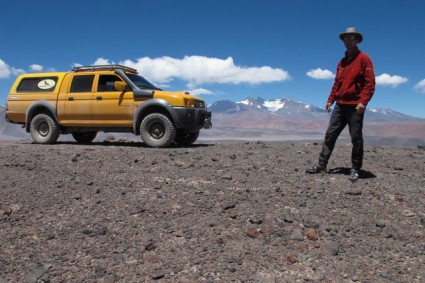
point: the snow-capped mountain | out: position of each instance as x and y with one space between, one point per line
388 115
289 108
280 106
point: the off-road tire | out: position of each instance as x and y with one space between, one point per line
86 137
186 139
44 129
157 130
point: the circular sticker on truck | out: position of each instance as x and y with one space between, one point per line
46 84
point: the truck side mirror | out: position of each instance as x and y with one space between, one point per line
121 86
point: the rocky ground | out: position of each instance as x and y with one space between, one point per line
242 212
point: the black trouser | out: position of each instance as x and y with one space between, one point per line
341 116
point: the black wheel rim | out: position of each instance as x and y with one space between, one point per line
43 129
157 131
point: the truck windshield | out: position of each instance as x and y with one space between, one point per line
141 82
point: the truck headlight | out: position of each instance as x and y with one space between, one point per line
200 104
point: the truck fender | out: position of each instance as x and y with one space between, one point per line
34 107
152 103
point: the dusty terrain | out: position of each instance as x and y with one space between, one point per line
242 212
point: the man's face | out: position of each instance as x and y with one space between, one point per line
350 41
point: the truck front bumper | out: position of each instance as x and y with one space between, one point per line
192 118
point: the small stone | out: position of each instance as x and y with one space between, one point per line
229 205
6 211
287 216
158 274
252 233
257 221
227 177
179 233
215 158
408 213
330 247
132 262
74 269
75 157
380 223
96 231
150 246
292 259
265 231
233 156
312 235
37 272
153 258
297 235
136 210
354 191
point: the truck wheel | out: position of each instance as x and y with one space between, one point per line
44 129
185 139
157 130
86 137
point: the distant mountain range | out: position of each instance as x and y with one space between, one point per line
284 120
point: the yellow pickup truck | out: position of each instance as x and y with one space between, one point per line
108 98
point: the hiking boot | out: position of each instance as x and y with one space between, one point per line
315 169
354 175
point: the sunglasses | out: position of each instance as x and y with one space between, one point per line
349 38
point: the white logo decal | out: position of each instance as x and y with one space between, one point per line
46 84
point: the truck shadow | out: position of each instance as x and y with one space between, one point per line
131 144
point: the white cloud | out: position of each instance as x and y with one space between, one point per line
320 74
102 61
201 91
421 86
388 80
199 70
36 68
6 70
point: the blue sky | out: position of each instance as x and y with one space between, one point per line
223 49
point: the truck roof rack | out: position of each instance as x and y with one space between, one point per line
102 67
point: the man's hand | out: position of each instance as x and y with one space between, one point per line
328 107
360 108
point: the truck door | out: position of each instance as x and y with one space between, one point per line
112 108
77 102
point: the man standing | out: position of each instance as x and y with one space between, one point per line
353 88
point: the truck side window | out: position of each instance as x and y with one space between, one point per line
42 84
106 83
82 83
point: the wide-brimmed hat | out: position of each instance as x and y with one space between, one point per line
351 31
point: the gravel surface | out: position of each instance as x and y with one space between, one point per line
243 212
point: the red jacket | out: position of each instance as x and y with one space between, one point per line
354 80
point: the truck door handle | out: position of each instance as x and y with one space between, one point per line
98 97
71 98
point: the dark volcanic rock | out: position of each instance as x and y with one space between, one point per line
245 212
